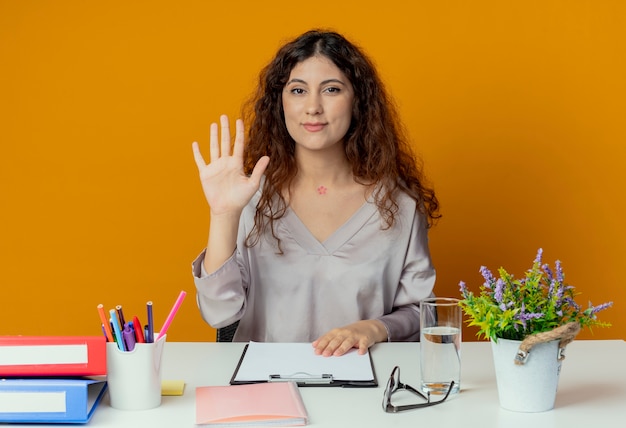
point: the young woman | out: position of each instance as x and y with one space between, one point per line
318 227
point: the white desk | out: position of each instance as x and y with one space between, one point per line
592 390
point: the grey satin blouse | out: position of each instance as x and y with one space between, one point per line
362 271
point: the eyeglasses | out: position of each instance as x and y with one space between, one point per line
394 385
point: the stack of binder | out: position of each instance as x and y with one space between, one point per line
51 379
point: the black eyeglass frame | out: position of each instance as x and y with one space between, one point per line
392 388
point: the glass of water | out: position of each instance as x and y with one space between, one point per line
440 344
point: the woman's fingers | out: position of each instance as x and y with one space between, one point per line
214 146
225 135
259 169
219 139
337 346
197 156
335 342
239 139
361 334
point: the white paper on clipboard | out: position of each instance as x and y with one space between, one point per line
293 360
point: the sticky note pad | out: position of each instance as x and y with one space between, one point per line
172 387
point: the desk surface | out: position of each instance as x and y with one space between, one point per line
592 389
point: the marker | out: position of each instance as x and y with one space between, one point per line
129 337
150 335
172 314
138 333
105 324
118 330
120 314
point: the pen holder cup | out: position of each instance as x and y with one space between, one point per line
134 377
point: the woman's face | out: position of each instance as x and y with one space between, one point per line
317 101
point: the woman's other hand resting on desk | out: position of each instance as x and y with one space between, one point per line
361 335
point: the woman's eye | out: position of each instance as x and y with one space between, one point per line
333 90
297 91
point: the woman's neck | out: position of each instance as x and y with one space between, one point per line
323 169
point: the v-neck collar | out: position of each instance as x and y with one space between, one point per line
303 236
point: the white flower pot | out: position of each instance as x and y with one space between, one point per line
532 386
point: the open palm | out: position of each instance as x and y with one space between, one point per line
226 187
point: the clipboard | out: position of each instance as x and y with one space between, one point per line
297 362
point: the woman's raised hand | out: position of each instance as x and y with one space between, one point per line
226 187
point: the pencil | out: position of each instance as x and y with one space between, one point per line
105 323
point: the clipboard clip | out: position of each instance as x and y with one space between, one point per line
302 377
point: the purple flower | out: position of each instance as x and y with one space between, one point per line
571 302
556 290
489 279
531 315
559 293
596 309
539 254
527 316
498 290
463 288
524 316
559 271
548 271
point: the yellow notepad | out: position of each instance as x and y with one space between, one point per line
172 387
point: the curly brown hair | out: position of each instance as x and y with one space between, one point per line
375 145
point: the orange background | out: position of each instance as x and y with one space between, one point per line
517 108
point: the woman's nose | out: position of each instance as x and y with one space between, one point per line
314 104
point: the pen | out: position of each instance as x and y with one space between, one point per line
112 330
129 337
172 313
150 335
118 308
138 333
105 324
118 330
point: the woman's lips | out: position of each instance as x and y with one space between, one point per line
313 127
